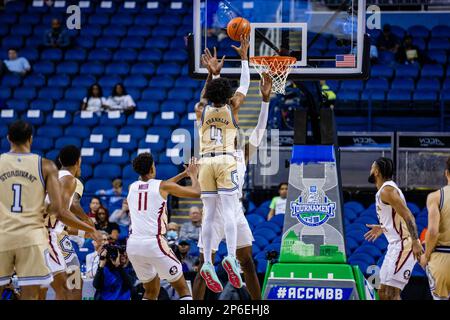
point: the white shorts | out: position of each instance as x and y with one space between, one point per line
398 264
244 233
67 250
153 257
57 263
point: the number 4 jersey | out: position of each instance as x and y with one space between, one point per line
147 209
22 194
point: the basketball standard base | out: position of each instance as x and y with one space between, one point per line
312 263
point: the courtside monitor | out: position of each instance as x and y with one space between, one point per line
326 37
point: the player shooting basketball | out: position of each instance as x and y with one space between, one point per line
243 154
218 126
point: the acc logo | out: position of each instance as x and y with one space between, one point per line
313 208
173 270
407 274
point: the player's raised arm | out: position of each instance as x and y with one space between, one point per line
244 83
265 87
390 196
172 188
52 184
214 67
432 234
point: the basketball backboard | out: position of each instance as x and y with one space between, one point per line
327 37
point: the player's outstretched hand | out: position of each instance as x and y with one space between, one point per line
374 232
265 86
192 169
417 249
211 62
243 49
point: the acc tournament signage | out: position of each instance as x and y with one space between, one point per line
313 230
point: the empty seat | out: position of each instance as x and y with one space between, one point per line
119 68
138 81
432 70
403 83
440 31
52 54
439 44
34 80
96 141
42 143
418 31
166 171
42 104
377 84
407 71
21 93
107 171
50 131
352 85
67 67
116 156
437 56
140 118
93 185
424 95
140 30
86 118
143 68
126 54
85 41
108 132
115 30
399 95
64 141
11 80
94 68
80 132
75 93
44 67
100 54
112 118
133 42
154 94
51 93
428 84
59 80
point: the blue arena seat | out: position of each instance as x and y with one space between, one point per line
139 30
122 19
438 44
91 156
424 95
153 94
96 141
95 68
399 95
51 93
418 31
144 68
255 219
108 132
64 141
34 80
27 93
261 242
168 69
85 119
126 142
93 185
42 104
52 54
403 83
74 93
85 41
381 71
120 68
42 143
146 19
67 67
100 54
50 131
44 67
437 56
125 54
407 70
432 70
77 132
133 42
129 173
431 84
440 31
116 156
107 171
58 118
377 84
133 131
59 80
11 80
112 118
166 171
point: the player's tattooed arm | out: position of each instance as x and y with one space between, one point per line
53 187
432 234
391 196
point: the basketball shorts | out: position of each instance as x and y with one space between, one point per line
398 264
57 263
68 252
218 175
244 233
438 272
31 265
153 257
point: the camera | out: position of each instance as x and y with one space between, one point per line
113 250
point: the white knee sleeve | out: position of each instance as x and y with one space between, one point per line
229 203
210 210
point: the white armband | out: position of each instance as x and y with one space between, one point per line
214 77
81 233
244 83
258 133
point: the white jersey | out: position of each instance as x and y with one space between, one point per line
241 169
393 225
147 209
57 225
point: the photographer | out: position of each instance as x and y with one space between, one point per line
115 277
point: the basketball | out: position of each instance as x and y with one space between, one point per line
237 27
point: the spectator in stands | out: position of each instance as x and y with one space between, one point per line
116 195
115 278
94 205
56 37
120 100
16 64
187 261
278 204
103 224
173 229
121 216
94 100
387 40
93 258
408 53
191 230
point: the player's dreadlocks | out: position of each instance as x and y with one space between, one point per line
143 163
219 91
386 167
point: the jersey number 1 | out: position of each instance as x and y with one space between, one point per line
17 198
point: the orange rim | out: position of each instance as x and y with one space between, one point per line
276 64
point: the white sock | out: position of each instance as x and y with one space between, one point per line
229 203
186 298
210 210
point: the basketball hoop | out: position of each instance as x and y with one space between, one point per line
278 69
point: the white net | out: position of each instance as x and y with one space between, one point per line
278 69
